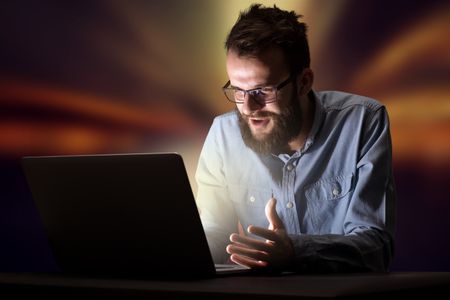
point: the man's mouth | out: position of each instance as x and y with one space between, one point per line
259 122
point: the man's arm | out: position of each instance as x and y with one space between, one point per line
217 213
368 243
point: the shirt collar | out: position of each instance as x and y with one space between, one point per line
319 114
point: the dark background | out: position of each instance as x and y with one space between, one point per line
81 77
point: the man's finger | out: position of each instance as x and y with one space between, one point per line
267 234
251 253
248 262
250 242
272 215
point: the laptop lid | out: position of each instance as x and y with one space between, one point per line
120 214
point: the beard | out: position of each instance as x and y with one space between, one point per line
286 126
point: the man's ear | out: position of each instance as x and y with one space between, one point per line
305 80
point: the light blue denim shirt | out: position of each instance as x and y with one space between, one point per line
335 196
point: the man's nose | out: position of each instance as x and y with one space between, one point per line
250 104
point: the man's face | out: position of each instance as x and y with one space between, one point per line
266 128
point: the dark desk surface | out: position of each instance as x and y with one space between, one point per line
369 285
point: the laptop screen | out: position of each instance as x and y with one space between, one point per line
120 214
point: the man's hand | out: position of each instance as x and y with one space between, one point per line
276 251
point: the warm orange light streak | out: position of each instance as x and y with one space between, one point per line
420 123
421 46
147 117
22 138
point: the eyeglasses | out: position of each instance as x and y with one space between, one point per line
261 95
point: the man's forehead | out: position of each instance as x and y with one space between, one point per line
245 71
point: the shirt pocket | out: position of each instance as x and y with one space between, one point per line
327 201
249 203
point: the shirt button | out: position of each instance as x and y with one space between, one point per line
289 167
252 199
289 205
336 192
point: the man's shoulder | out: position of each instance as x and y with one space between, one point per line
230 115
337 100
225 125
226 119
225 132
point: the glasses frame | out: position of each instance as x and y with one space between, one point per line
251 92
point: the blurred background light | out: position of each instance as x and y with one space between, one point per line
80 77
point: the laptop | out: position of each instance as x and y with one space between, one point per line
121 215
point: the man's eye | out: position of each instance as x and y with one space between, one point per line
266 90
258 92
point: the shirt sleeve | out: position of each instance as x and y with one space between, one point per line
216 211
368 242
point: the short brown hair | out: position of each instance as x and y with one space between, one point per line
260 28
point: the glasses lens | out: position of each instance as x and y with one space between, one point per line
263 95
229 93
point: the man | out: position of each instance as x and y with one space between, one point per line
294 179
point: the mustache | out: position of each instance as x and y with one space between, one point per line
260 114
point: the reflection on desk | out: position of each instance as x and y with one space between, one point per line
369 285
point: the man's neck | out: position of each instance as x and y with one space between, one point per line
308 109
